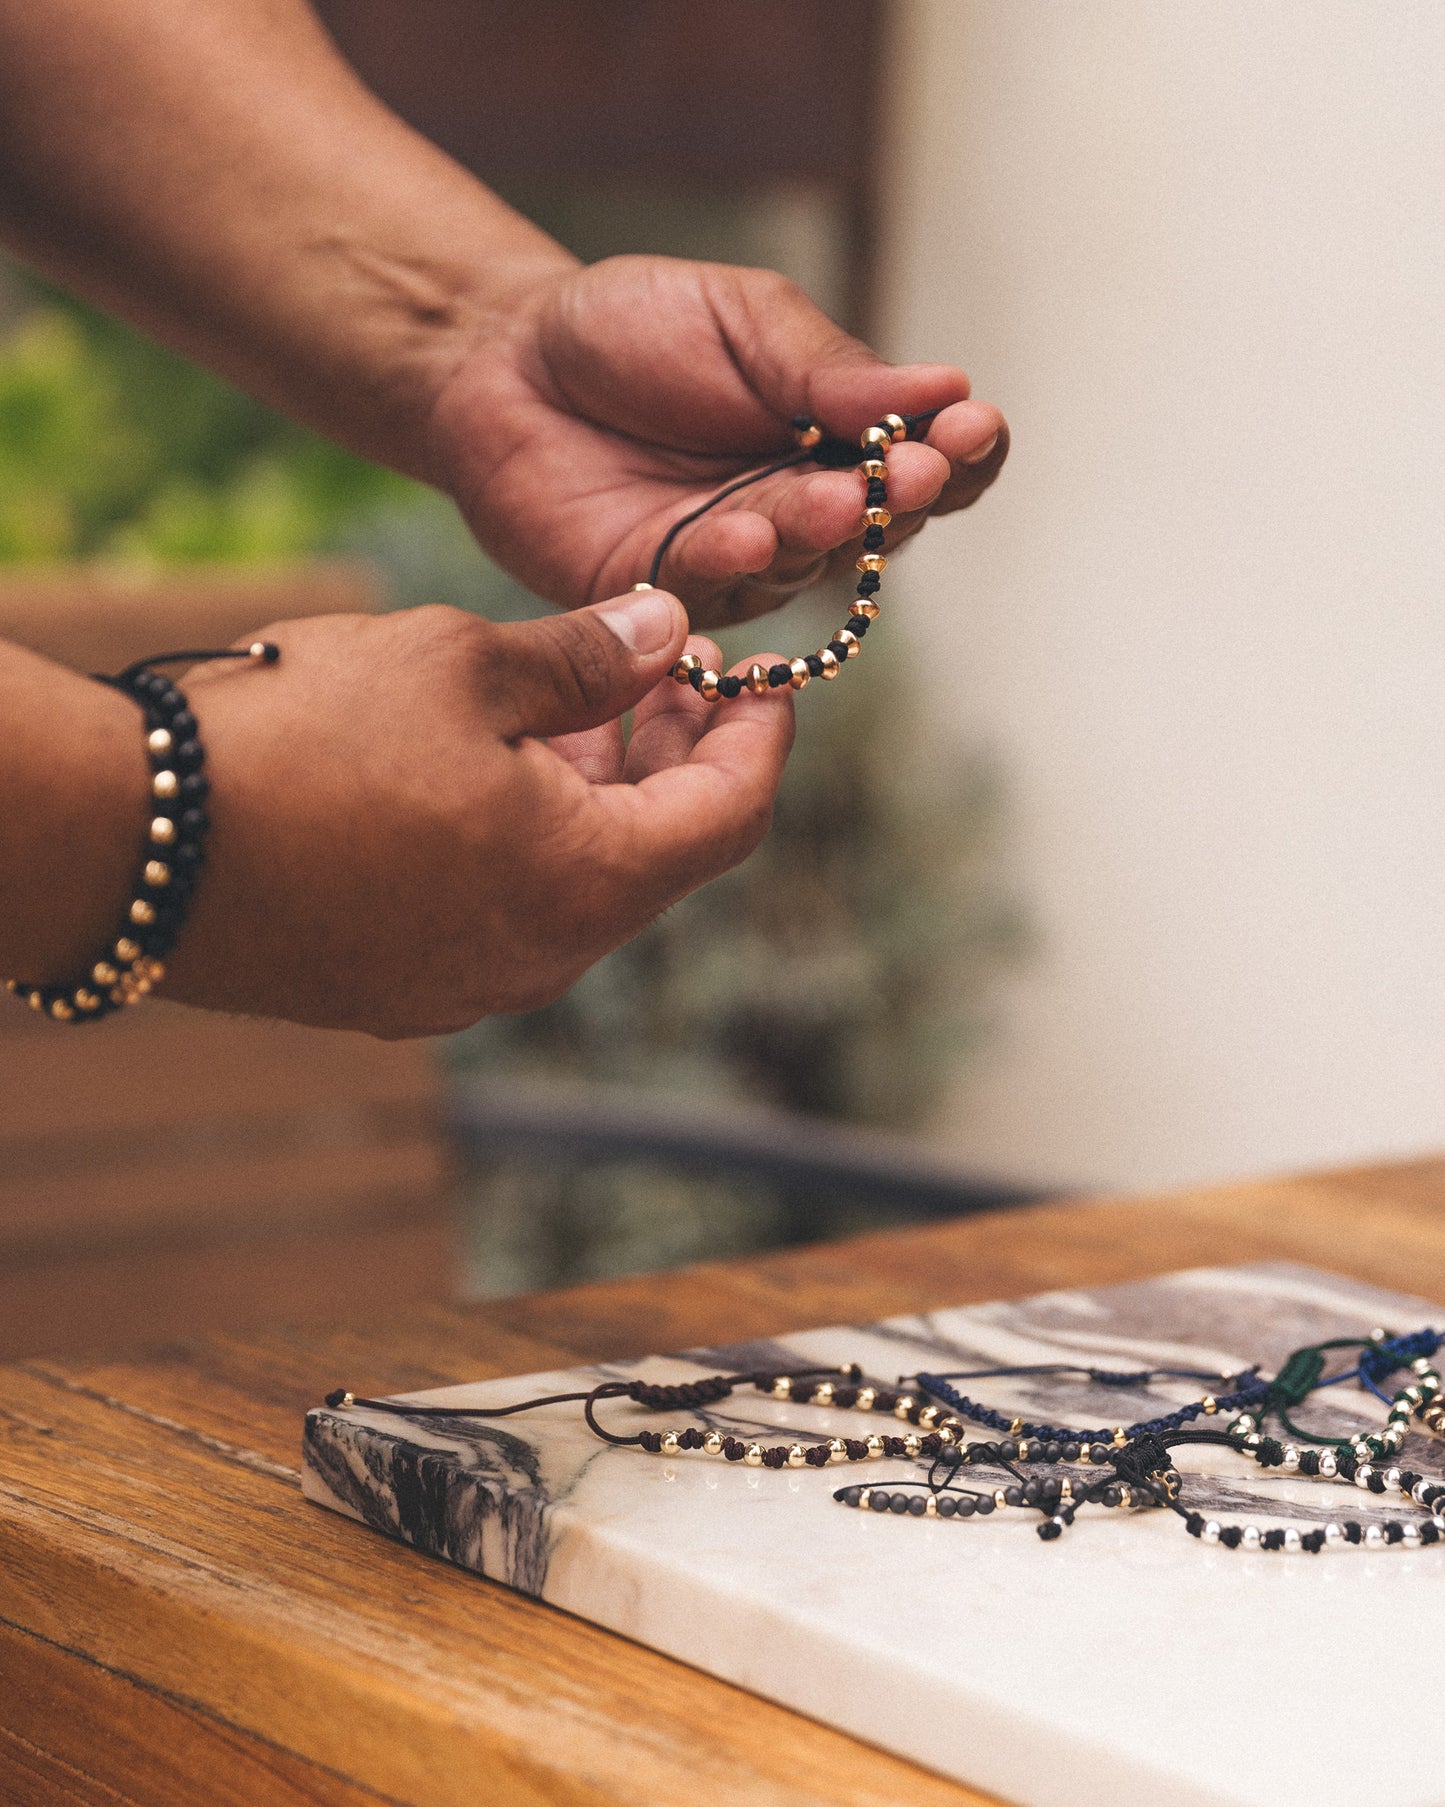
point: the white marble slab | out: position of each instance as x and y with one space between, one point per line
1125 1664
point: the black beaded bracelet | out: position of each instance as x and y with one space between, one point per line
870 455
134 963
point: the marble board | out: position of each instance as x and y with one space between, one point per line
1124 1664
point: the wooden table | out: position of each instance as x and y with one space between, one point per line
178 1626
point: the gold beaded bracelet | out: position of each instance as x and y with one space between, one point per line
132 966
813 445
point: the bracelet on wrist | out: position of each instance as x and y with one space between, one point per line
133 964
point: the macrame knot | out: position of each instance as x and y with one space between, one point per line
688 1395
1108 1377
1297 1379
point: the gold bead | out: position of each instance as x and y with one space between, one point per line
347 1399
257 649
689 662
61 1011
142 912
867 609
757 680
1025 1445
896 425
903 1405
864 1401
797 1456
1211 1405
641 586
876 517
120 995
801 674
810 435
157 874
670 1445
708 690
930 1506
846 637
829 661
863 1498
36 1001
873 468
875 439
753 1455
872 561
152 970
1119 1438
946 1433
712 1443
86 1000
911 1445
163 831
127 950
875 1446
166 785
782 1387
837 1450
823 1393
1015 1425
159 740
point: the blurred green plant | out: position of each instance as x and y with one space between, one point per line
114 449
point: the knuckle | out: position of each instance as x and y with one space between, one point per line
581 670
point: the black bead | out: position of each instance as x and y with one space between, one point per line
1099 1452
1112 1496
189 756
1051 1452
1352 1531
1049 1530
1429 1533
730 686
169 701
849 1495
196 788
814 664
1071 1452
778 675
1009 1450
983 1506
1013 1496
879 1501
917 1505
183 725
898 1502
1194 1524
1032 1493
1376 1483
966 1505
838 650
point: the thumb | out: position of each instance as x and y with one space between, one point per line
575 671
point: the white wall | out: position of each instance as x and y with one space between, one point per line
1197 253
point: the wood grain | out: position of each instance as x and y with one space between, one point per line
164 1579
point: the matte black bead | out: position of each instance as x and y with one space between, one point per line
196 788
1009 1450
1070 1452
849 1495
1394 1532
983 1506
189 856
169 701
1376 1483
898 1502
917 1505
947 1505
879 1501
1313 1541
1112 1496
1429 1533
966 1505
1099 1452
1051 1452
191 824
1032 1493
188 756
183 725
1013 1496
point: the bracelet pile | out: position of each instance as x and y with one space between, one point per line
132 965
1137 1463
874 445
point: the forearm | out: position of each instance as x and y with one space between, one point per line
73 795
216 173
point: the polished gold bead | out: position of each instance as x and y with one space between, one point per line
873 468
903 1405
911 1445
837 1450
36 1000
689 662
157 874
1211 1405
163 831
159 741
153 970
872 561
86 1000
875 439
877 517
930 1506
166 785
127 950
1024 1447
782 1387
946 1433
753 1455
1119 1438
641 586
797 1455
846 637
708 688
120 994
810 435
801 674
61 1011
1015 1425
142 912
864 1401
875 1446
864 607
823 1393
670 1445
712 1443
829 661
757 680
896 425
865 1494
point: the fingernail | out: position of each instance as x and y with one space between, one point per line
644 621
977 456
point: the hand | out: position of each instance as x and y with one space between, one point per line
611 400
394 848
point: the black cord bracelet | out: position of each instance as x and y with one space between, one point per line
869 453
134 963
